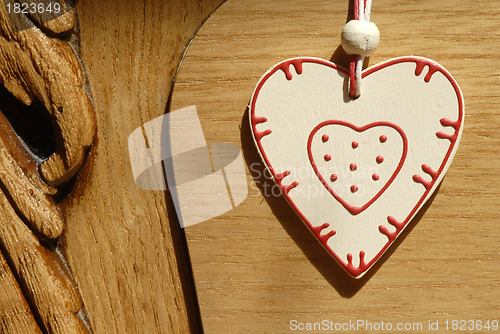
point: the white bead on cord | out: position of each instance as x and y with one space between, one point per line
360 37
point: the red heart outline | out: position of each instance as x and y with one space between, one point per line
354 210
421 63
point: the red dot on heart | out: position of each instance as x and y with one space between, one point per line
375 177
354 188
380 159
355 144
328 157
325 138
383 139
353 167
333 177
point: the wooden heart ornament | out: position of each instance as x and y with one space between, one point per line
357 171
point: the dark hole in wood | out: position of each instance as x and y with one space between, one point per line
32 124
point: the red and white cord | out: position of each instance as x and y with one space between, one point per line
362 12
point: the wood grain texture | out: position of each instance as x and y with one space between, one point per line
258 267
119 238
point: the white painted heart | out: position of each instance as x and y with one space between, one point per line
357 171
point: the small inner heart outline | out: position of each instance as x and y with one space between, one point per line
354 210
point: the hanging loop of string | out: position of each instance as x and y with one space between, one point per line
360 38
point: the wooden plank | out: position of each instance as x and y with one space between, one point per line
257 267
125 255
